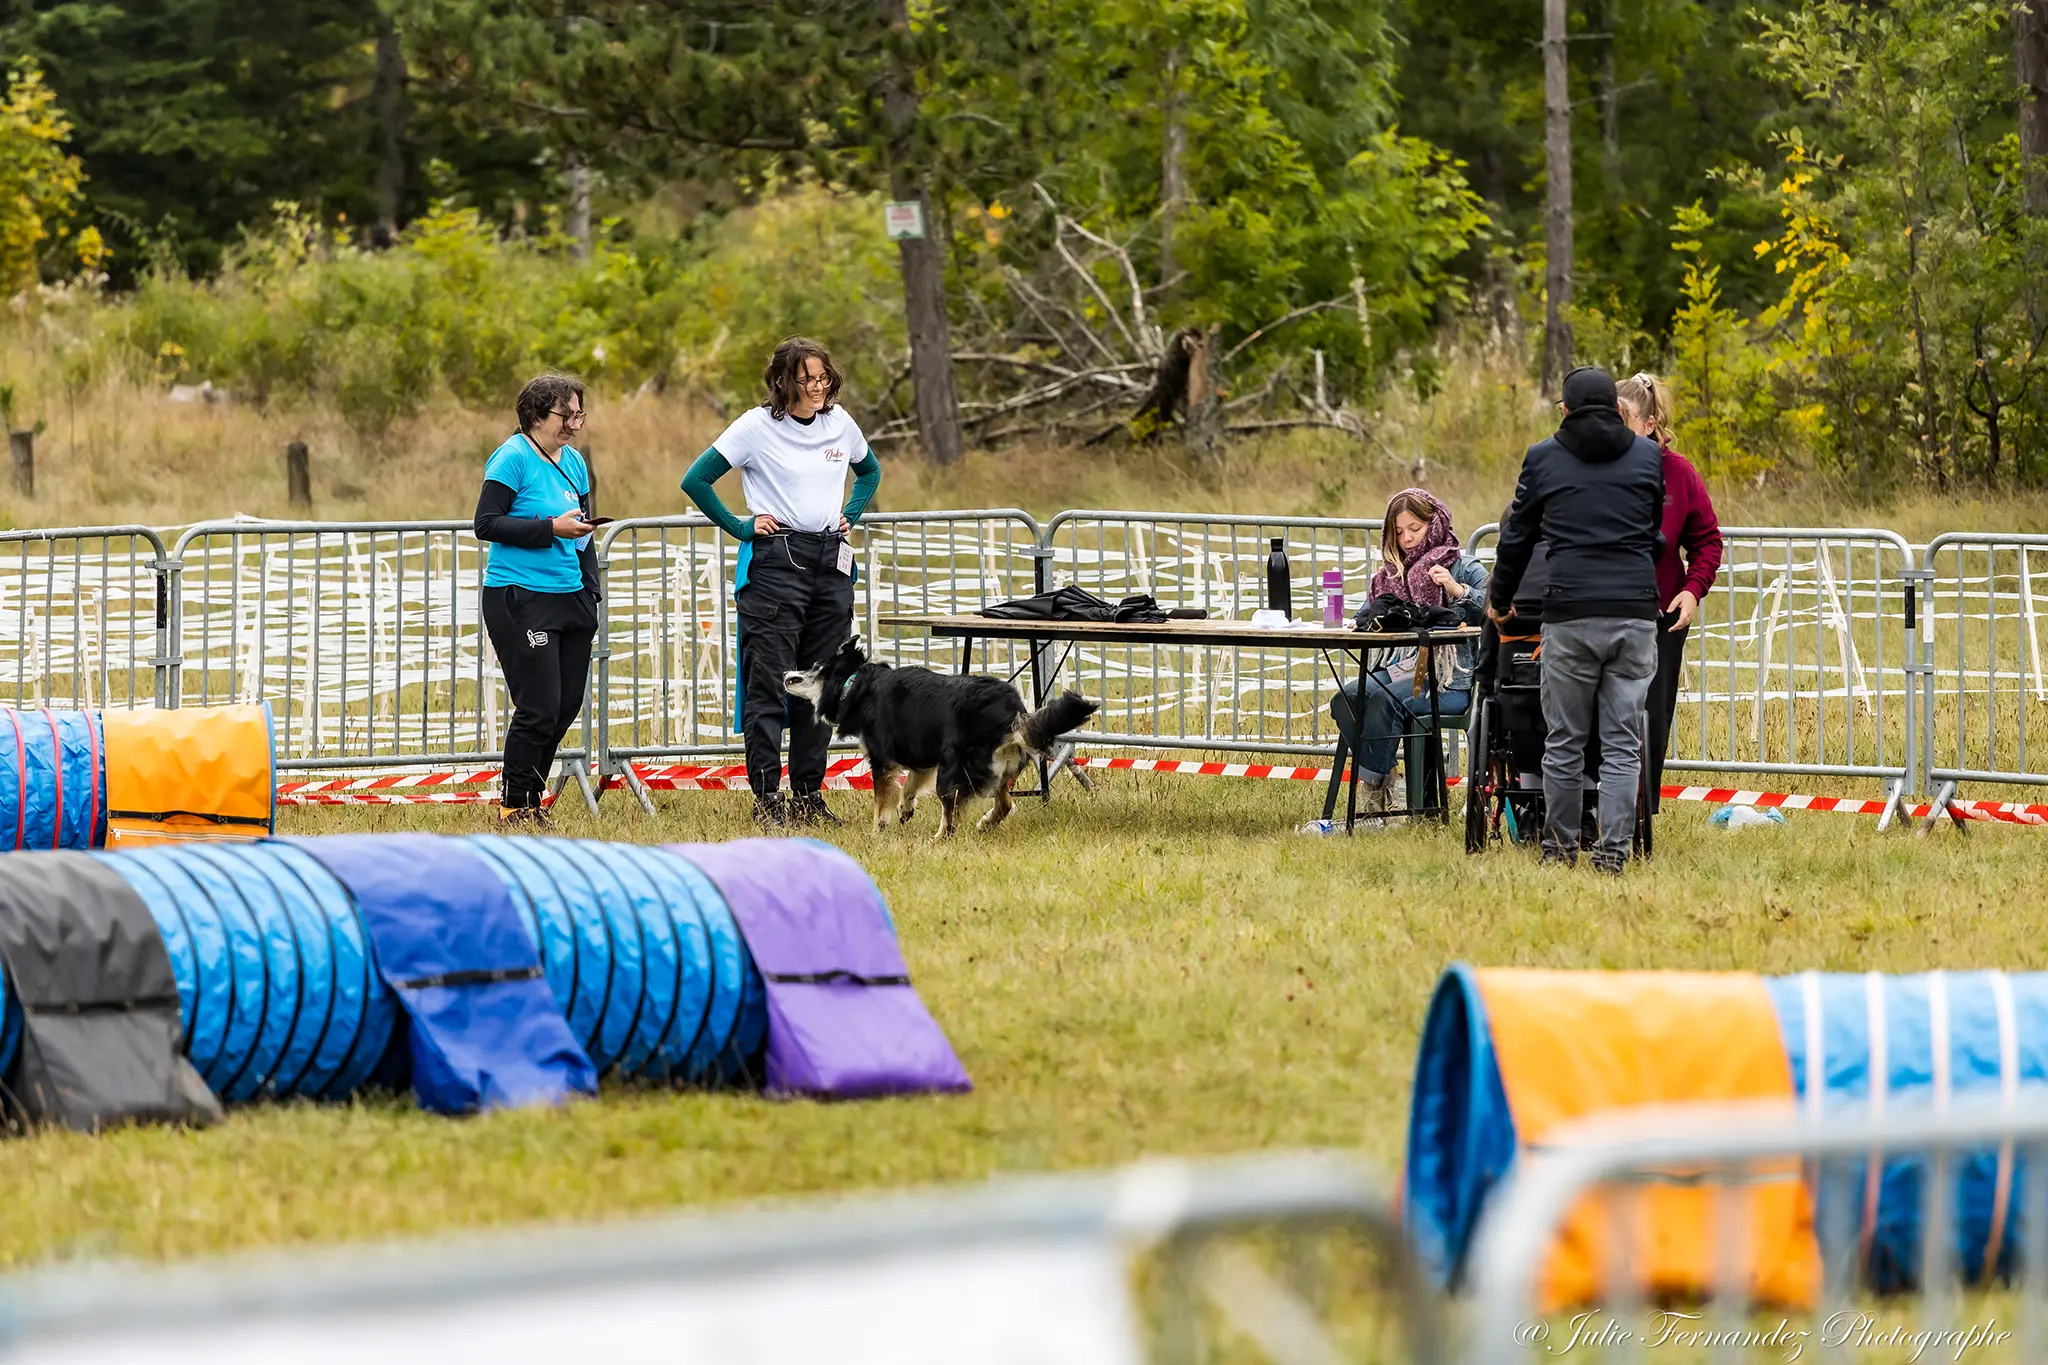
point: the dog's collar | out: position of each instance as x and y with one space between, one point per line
847 686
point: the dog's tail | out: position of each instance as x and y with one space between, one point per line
1063 713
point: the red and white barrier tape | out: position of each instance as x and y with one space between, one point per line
851 774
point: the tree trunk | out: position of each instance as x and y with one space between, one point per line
1173 186
578 176
1610 114
1557 209
389 95
922 260
1205 404
2030 53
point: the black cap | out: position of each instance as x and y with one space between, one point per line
1588 386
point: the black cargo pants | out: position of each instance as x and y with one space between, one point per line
795 611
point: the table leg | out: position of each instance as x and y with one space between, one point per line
1358 722
966 655
1439 789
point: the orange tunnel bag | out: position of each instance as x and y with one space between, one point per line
1575 1044
200 773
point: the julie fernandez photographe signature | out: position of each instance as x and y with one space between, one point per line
1669 1327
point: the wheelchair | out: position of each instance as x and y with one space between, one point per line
1505 740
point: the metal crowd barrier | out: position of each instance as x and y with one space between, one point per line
1822 652
665 669
1982 682
85 618
1179 697
1283 1258
1799 661
1727 1151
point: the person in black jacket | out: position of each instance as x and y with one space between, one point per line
1594 493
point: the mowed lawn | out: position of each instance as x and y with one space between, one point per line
1159 968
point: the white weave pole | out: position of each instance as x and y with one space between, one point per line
1852 658
1776 593
2033 627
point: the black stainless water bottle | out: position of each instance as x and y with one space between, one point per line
1279 587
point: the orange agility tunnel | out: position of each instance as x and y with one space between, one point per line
123 779
1510 1056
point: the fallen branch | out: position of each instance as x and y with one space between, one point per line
1282 321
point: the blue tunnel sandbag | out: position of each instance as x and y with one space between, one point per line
278 990
53 780
1996 1028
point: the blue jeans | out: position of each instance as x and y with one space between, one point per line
1390 715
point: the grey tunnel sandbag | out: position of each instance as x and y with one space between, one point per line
280 990
842 1020
1929 1041
641 953
100 1039
53 780
483 1026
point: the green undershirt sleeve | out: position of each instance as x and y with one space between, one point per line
867 477
708 470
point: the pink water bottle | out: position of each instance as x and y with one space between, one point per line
1333 597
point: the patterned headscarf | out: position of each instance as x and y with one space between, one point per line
1439 546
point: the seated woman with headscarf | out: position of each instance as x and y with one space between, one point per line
1424 565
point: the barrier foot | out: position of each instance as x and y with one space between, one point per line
638 788
589 793
1943 804
1894 800
1063 761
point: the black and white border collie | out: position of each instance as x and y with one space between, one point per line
961 736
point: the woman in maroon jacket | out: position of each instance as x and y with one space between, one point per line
1687 564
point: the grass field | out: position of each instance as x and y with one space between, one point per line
1161 968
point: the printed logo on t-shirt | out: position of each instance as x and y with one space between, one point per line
536 639
833 454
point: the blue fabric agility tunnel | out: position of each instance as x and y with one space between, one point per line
53 780
281 994
1934 1039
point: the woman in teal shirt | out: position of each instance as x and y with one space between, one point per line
540 590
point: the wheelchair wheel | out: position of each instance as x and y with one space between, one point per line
1481 779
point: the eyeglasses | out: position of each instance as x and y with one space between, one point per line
569 419
815 381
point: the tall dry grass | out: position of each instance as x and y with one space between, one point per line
121 450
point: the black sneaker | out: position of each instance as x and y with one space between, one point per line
1553 858
809 808
1612 867
771 811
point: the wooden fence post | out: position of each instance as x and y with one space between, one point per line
298 474
23 446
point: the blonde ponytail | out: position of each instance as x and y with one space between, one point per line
1651 400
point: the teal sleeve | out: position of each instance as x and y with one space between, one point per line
709 469
867 477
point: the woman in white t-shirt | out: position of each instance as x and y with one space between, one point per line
794 585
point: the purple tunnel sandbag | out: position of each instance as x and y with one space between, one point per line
843 1019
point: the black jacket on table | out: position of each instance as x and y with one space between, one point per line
1594 494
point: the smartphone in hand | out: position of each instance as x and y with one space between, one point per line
597 521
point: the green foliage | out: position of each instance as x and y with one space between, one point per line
39 182
1911 311
298 314
194 116
1298 188
1689 98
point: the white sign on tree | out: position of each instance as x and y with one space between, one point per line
904 219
